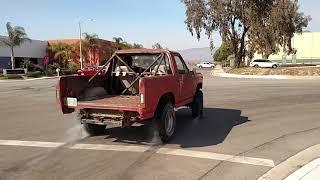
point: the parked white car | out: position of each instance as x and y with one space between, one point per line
205 65
263 63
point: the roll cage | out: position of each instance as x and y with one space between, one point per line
115 61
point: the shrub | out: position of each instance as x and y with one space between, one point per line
13 76
36 74
67 72
69 69
73 67
26 63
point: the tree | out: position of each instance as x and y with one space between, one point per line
136 45
157 46
91 43
212 48
276 30
117 41
223 52
27 64
16 36
241 21
62 53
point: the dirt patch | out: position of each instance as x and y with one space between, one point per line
298 71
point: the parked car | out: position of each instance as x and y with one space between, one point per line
205 65
138 86
88 70
264 63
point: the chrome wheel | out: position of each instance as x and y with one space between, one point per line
169 121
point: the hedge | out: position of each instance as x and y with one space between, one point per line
35 74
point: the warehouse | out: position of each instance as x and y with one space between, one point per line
307 46
35 51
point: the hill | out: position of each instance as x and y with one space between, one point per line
195 55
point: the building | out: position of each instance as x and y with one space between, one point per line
307 45
35 51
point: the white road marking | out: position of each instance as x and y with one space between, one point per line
165 151
216 156
306 172
103 147
30 143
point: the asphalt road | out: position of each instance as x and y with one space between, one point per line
266 119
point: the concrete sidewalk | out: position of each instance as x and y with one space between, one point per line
303 165
219 72
310 171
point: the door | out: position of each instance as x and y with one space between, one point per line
270 63
263 63
185 80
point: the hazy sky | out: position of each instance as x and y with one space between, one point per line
141 21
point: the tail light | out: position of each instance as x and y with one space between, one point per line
142 92
142 98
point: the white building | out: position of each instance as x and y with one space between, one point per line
307 45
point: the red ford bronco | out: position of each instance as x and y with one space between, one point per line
133 86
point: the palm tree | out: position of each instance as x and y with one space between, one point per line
92 43
16 36
118 41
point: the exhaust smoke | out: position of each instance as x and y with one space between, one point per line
76 132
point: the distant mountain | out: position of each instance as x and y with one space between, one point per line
195 55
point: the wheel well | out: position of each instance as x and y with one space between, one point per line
168 97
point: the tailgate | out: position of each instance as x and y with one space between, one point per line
69 88
63 91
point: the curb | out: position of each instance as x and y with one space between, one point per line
219 72
33 79
227 75
289 166
309 171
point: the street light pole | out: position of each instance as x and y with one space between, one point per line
80 43
80 38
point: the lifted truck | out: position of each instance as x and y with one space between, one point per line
136 86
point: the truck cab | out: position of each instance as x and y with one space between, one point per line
134 86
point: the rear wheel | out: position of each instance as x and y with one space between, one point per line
94 129
166 120
197 105
200 67
274 66
256 66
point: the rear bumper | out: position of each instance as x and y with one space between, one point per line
144 114
116 117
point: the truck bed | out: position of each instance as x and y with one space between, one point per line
112 102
